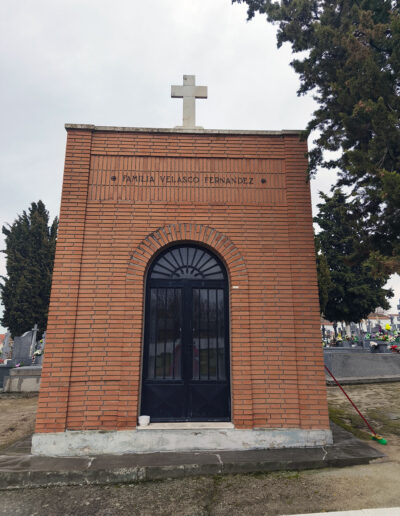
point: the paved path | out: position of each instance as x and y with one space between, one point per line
394 511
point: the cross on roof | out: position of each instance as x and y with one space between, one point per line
189 92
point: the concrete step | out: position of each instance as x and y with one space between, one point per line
19 470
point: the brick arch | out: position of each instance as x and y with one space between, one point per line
240 344
173 233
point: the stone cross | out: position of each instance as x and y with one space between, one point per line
189 92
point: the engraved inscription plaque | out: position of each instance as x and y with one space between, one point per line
187 180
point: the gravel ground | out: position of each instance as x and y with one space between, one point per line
358 487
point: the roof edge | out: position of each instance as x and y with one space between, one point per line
178 130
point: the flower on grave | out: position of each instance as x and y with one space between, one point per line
38 352
395 348
18 365
368 336
373 344
388 327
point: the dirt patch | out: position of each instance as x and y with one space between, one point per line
379 403
18 414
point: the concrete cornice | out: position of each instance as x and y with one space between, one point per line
176 130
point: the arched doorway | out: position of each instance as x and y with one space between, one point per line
186 340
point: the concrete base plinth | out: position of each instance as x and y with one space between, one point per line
81 443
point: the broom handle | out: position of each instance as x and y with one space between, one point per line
348 397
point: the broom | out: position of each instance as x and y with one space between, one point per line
375 436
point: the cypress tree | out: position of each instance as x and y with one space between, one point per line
353 291
348 56
30 249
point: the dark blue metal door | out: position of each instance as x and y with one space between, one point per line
186 348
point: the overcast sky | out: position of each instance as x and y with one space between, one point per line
113 63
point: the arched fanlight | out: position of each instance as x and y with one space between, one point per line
187 262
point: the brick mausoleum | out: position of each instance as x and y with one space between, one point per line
178 252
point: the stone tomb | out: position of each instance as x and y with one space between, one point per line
23 379
358 366
178 252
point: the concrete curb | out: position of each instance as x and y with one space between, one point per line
359 380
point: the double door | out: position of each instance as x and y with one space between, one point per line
186 351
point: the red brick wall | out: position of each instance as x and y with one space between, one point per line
112 224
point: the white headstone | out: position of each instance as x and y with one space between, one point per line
189 92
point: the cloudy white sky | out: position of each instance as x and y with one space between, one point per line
112 63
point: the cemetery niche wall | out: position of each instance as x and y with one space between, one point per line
178 250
